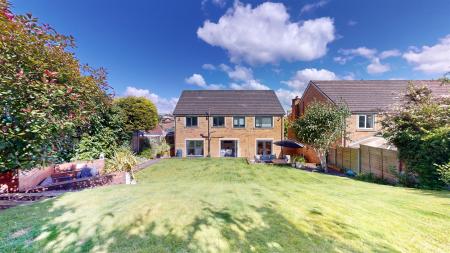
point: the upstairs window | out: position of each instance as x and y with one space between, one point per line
263 122
218 121
191 121
366 121
239 122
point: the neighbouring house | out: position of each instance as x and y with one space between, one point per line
366 99
228 123
156 134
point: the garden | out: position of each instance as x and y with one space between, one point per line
227 205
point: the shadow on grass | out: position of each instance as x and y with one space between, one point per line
262 229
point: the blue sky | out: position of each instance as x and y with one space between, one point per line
159 48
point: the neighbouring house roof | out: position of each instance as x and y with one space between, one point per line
373 141
373 95
158 131
228 102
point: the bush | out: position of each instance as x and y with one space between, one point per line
420 129
299 159
444 173
45 93
91 147
371 178
123 160
141 113
405 178
147 153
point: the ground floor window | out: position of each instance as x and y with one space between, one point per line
194 148
264 147
228 148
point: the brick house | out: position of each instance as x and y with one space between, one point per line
228 123
366 99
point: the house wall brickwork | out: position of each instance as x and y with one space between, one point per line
246 137
312 93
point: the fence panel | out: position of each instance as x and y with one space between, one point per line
366 159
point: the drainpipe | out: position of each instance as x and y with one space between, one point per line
282 135
209 133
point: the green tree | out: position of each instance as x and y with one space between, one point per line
420 129
321 126
141 113
46 97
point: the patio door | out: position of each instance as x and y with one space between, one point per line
228 148
194 148
264 147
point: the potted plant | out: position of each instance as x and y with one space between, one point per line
123 160
299 162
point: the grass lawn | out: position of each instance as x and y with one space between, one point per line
212 205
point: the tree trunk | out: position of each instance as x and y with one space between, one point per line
323 160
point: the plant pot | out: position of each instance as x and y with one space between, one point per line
129 179
299 165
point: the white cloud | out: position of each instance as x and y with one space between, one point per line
352 23
265 34
219 3
431 59
286 96
249 85
376 67
313 6
164 105
390 53
239 73
360 51
302 77
208 66
300 80
197 79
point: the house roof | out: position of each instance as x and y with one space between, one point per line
373 95
228 102
155 131
373 141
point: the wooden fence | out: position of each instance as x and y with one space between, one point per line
366 159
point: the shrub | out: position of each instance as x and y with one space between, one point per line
90 147
371 178
299 159
147 153
405 178
123 160
141 113
46 96
163 148
420 129
444 173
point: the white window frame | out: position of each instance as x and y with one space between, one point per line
245 123
230 139
185 121
254 123
217 116
264 139
186 147
365 121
